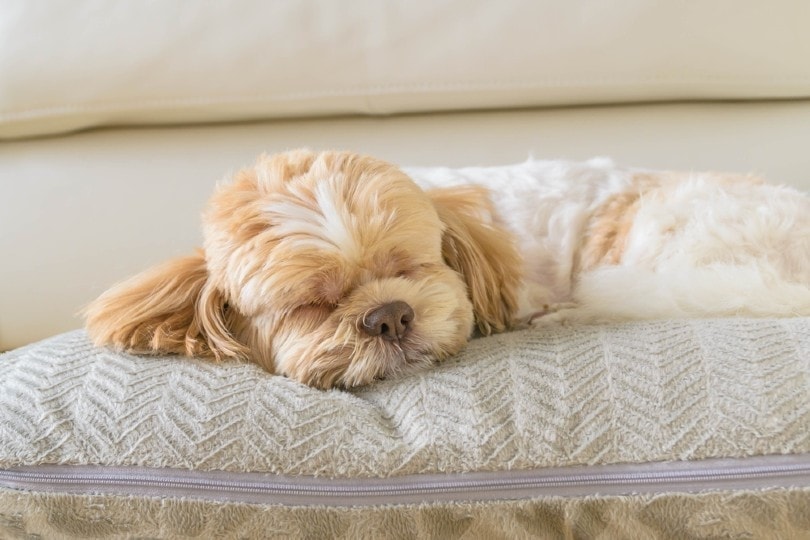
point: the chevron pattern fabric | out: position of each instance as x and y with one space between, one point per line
669 390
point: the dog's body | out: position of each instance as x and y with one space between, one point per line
601 243
337 269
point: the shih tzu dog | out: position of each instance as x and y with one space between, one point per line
337 269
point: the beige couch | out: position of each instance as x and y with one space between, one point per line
117 119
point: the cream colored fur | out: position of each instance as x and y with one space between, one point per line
302 247
676 245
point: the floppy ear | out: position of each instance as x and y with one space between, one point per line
482 252
171 309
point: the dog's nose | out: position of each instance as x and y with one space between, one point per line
389 321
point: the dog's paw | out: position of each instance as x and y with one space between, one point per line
559 313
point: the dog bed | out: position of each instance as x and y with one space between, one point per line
697 428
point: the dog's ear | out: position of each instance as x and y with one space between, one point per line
482 252
169 309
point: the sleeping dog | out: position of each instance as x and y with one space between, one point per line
337 269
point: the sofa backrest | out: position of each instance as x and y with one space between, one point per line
73 64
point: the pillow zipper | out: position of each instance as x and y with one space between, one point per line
761 472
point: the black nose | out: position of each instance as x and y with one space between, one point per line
389 321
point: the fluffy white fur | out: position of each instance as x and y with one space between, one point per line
337 269
699 245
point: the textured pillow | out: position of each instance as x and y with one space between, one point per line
538 398
82 63
596 430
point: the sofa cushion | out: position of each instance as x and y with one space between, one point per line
76 64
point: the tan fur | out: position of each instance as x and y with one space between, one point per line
298 249
605 238
482 252
168 309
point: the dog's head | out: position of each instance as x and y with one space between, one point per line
331 268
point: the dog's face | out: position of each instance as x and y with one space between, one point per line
333 269
336 263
